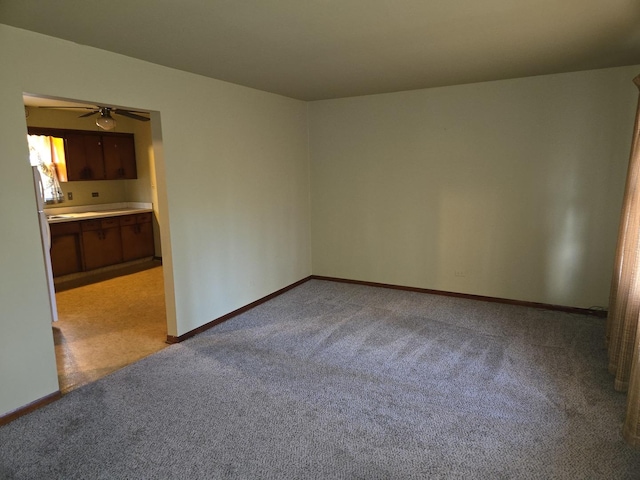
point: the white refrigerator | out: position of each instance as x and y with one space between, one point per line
45 234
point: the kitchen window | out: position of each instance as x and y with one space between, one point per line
47 154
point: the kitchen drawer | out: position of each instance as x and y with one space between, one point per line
65 228
89 225
136 218
143 217
127 220
110 222
100 223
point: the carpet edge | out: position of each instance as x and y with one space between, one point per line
171 339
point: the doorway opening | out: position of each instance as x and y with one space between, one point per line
111 316
109 323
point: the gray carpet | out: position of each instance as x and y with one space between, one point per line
344 381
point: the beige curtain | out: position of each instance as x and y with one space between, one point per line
624 301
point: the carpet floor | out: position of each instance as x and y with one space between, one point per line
338 381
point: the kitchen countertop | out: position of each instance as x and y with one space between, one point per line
88 212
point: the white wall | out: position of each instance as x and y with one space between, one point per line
516 185
233 192
507 189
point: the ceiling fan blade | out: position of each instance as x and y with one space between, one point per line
88 114
127 113
134 111
62 106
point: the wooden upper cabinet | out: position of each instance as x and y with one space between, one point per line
75 157
96 155
119 157
84 156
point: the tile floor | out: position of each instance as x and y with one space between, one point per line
107 325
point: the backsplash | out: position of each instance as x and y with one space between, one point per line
108 191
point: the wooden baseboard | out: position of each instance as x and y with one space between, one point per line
561 308
173 339
545 306
30 407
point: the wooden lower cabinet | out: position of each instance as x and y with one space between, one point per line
66 252
89 244
101 243
137 236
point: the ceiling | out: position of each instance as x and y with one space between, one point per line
39 101
319 49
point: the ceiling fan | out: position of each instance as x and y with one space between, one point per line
105 120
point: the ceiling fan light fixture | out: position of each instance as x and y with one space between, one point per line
105 121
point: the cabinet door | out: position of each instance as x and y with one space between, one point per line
84 157
65 254
75 157
137 241
101 247
119 157
95 157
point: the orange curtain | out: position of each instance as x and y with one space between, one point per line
624 302
57 154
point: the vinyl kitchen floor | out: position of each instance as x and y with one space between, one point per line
105 326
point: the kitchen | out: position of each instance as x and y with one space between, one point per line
101 231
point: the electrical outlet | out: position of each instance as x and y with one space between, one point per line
70 195
460 273
95 194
